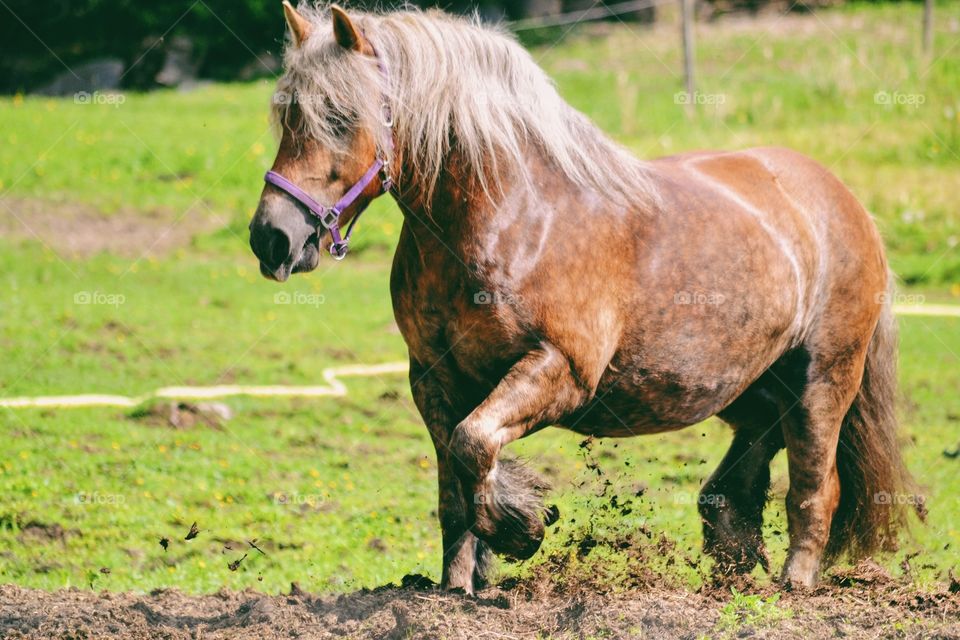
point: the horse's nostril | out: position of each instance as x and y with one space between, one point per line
270 245
279 248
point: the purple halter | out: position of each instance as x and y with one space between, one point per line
329 217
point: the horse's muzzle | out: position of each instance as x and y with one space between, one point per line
284 245
308 261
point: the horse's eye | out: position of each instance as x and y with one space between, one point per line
338 123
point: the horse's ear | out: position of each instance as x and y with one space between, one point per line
299 27
346 33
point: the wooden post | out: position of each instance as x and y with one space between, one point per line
928 27
686 11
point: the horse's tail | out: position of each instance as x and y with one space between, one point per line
875 487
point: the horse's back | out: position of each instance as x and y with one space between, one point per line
774 180
821 227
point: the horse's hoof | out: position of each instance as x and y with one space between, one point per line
516 547
512 531
738 560
801 571
509 514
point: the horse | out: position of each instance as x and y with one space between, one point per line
544 276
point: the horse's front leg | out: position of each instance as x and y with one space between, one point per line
503 498
465 558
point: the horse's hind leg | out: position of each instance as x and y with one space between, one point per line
811 432
731 502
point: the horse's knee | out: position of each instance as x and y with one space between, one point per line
473 449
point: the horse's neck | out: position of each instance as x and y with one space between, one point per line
461 208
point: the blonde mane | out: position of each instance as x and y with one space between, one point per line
453 83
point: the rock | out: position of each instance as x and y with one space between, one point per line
103 74
217 410
145 63
258 611
265 64
180 64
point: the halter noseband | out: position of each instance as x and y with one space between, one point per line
329 217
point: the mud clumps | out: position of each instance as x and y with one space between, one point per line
867 572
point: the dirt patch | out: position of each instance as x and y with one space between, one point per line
417 610
80 230
42 533
184 415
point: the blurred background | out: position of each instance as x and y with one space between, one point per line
133 140
112 44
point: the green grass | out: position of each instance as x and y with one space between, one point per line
352 470
203 320
750 610
341 493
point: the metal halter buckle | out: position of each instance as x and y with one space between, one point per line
329 217
385 179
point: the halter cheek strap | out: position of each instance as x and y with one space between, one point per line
329 217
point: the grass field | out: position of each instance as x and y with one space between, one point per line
339 494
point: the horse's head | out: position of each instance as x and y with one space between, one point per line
335 145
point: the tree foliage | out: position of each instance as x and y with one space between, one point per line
39 40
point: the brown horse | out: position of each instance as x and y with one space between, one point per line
545 277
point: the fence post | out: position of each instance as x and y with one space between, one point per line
686 11
928 27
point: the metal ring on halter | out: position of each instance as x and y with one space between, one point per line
339 251
386 113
